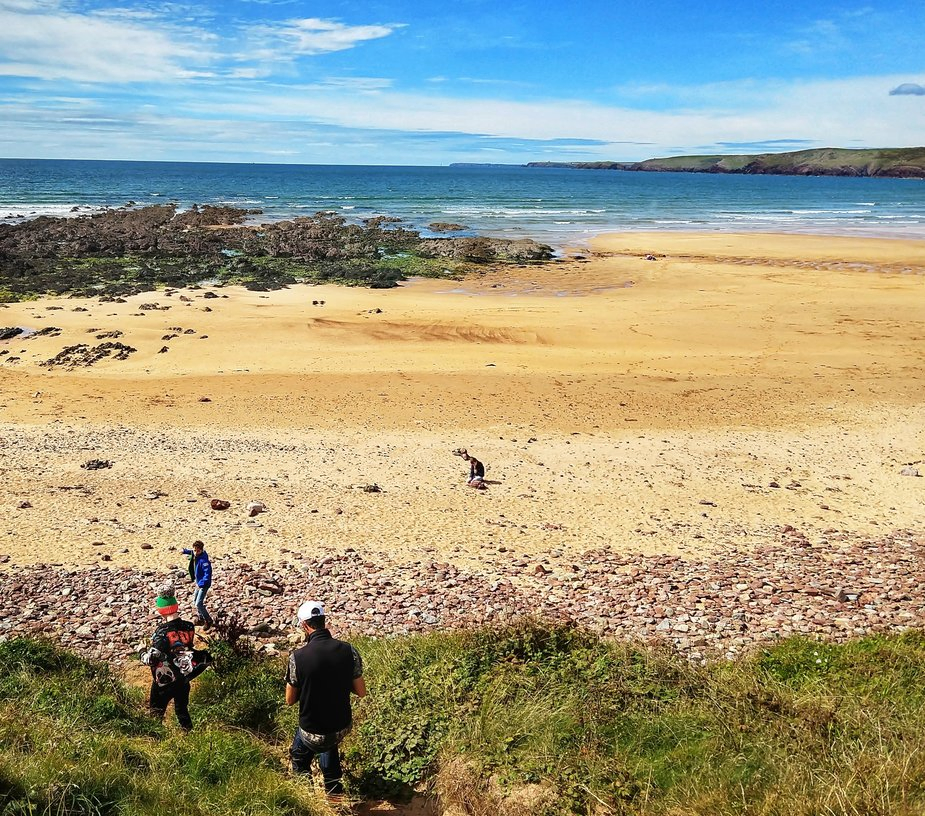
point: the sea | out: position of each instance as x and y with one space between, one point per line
563 207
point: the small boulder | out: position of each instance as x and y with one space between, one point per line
96 464
255 508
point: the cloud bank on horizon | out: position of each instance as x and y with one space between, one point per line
401 82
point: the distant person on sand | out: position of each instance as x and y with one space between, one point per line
321 676
200 572
476 470
173 660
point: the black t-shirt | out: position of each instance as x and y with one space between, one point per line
323 670
476 468
171 638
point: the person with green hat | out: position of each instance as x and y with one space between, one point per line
172 659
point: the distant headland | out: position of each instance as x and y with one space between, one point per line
905 162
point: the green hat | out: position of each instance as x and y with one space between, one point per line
166 601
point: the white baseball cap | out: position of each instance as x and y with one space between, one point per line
310 609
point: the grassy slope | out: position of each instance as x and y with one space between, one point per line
520 720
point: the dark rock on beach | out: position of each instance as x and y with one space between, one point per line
445 226
486 250
96 464
83 355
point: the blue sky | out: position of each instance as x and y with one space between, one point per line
402 82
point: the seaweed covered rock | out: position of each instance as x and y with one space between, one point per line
126 251
82 354
485 250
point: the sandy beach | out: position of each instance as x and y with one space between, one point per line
730 386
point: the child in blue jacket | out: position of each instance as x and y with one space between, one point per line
200 571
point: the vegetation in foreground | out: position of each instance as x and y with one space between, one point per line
522 720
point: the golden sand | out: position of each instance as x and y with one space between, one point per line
645 405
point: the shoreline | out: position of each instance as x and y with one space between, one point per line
582 238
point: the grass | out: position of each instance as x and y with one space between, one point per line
502 721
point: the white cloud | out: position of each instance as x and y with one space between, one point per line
836 112
356 83
313 35
821 36
42 40
28 5
50 41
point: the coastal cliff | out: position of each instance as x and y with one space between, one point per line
907 162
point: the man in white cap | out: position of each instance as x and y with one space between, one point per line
321 676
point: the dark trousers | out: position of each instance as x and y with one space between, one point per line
178 691
304 750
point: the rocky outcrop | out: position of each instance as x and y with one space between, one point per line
206 231
446 226
485 250
126 251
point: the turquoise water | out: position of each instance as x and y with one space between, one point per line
558 206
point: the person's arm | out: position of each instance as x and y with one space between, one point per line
160 641
206 577
358 686
292 690
186 551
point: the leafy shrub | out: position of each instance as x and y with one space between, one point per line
241 690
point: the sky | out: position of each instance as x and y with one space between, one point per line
427 83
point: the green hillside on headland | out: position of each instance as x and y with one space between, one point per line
520 720
905 162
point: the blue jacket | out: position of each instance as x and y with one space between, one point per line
200 568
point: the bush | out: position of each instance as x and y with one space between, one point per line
242 694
